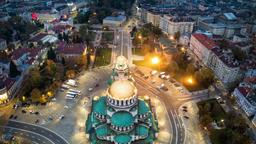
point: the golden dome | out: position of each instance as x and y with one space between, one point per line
122 89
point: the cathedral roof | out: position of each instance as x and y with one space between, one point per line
122 89
122 119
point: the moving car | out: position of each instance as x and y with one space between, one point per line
153 72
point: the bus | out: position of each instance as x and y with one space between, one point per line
71 93
65 86
75 91
70 96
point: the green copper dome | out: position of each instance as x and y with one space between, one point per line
122 138
99 105
143 107
122 119
142 130
102 130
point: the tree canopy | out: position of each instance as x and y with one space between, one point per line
13 70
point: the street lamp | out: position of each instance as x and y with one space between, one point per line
155 60
183 49
190 81
171 37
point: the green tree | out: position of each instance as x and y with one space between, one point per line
51 55
35 78
50 68
190 69
173 67
85 34
239 54
206 120
35 95
13 70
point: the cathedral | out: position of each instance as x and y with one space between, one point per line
121 116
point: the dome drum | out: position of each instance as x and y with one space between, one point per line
122 128
122 103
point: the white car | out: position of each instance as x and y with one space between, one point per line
90 89
153 72
161 73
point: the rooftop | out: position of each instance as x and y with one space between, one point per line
122 119
248 93
115 18
71 48
38 37
32 52
226 57
122 89
205 40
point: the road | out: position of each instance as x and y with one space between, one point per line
172 101
123 45
36 134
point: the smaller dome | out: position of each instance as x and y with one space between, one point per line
122 89
122 138
122 119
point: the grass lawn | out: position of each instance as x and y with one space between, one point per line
103 57
145 63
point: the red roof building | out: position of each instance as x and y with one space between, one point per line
205 40
70 50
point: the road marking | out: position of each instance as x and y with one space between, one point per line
42 128
21 133
175 127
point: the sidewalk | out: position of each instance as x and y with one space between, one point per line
193 133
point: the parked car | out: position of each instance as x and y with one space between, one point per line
146 76
90 89
153 72
164 88
61 117
185 110
50 118
11 116
23 111
37 121
15 117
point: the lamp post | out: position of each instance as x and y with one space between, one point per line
156 61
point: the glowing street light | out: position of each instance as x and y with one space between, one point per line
190 81
140 37
171 37
155 60
183 49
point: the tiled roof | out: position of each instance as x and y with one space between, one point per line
244 90
61 28
204 40
21 51
7 82
226 57
71 48
38 37
250 80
